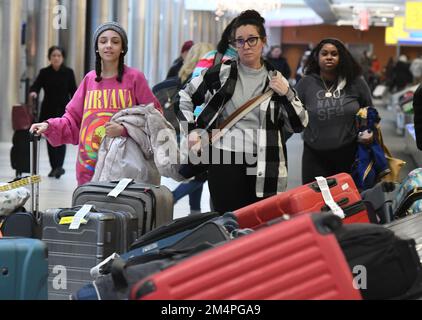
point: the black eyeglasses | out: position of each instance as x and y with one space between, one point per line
252 42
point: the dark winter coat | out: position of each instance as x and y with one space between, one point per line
59 87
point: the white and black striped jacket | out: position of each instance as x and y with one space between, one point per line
215 88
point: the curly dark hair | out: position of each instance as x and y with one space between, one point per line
348 68
250 17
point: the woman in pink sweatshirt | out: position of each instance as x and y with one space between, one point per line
112 86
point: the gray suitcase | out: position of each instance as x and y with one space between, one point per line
72 253
153 205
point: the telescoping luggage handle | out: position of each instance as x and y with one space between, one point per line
34 162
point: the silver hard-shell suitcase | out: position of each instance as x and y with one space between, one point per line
153 205
72 253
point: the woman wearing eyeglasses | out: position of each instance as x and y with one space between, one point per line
333 91
249 162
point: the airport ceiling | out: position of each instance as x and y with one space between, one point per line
339 12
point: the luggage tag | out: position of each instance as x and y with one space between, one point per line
328 198
69 220
97 270
121 186
79 216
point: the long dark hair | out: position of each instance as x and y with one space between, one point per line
348 68
224 42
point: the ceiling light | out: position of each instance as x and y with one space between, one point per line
237 6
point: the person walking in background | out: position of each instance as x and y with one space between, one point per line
332 90
59 85
275 57
301 67
416 69
111 87
223 53
191 60
234 185
178 63
194 187
401 74
388 74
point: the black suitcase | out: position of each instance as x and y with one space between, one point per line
75 251
19 154
181 234
153 205
25 223
170 233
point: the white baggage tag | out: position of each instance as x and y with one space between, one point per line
77 220
328 198
121 186
96 271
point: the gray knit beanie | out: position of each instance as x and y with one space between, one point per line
111 26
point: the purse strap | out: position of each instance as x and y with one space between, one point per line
381 142
240 113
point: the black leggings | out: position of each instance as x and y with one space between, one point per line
56 155
327 162
231 187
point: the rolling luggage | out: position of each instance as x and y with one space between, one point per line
24 269
180 234
119 273
307 199
295 259
23 116
74 251
168 234
153 205
23 223
19 154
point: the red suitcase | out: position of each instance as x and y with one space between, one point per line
307 199
296 259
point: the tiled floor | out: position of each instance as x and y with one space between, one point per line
56 193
